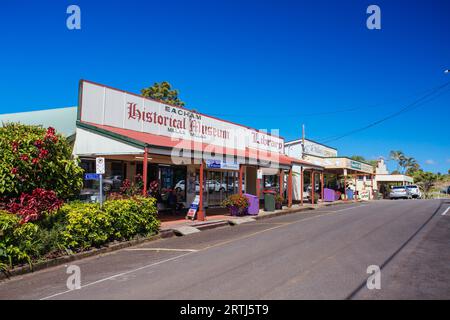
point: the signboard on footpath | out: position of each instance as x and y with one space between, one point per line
193 208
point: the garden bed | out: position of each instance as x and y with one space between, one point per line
74 229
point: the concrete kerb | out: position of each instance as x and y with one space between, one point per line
81 255
165 233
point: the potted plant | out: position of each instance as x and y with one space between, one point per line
237 204
316 198
279 202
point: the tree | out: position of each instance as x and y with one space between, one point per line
373 163
358 158
426 180
31 158
410 165
397 156
163 92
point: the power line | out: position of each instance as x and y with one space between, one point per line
337 111
409 107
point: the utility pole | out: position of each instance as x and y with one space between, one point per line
303 141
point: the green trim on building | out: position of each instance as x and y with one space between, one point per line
112 135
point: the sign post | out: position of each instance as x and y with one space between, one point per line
100 170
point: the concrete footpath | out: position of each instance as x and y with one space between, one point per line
185 226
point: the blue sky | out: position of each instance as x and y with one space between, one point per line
266 64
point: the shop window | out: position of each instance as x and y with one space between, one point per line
89 167
173 179
217 185
271 182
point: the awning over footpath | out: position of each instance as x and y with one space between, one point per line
155 143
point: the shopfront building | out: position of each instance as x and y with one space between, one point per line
338 174
175 150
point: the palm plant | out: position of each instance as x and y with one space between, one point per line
398 156
411 166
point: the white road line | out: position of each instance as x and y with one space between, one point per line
117 275
160 249
445 212
363 205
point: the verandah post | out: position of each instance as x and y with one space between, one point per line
144 171
201 212
241 173
301 185
290 188
321 183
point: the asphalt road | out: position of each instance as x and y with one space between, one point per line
321 254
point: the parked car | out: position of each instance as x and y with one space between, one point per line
400 192
415 191
112 183
216 186
232 186
180 186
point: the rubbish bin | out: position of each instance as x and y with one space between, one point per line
269 200
349 194
253 208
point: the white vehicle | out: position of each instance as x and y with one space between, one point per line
400 193
180 186
216 186
232 186
415 191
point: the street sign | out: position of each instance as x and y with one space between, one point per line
91 176
100 170
259 174
100 165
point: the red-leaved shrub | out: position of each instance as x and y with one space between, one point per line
32 207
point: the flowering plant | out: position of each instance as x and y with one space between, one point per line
31 207
129 189
279 199
236 200
153 188
32 157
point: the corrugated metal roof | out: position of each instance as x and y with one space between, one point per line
62 119
167 142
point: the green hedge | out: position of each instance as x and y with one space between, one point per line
131 217
17 241
76 226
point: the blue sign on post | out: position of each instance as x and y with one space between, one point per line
91 176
